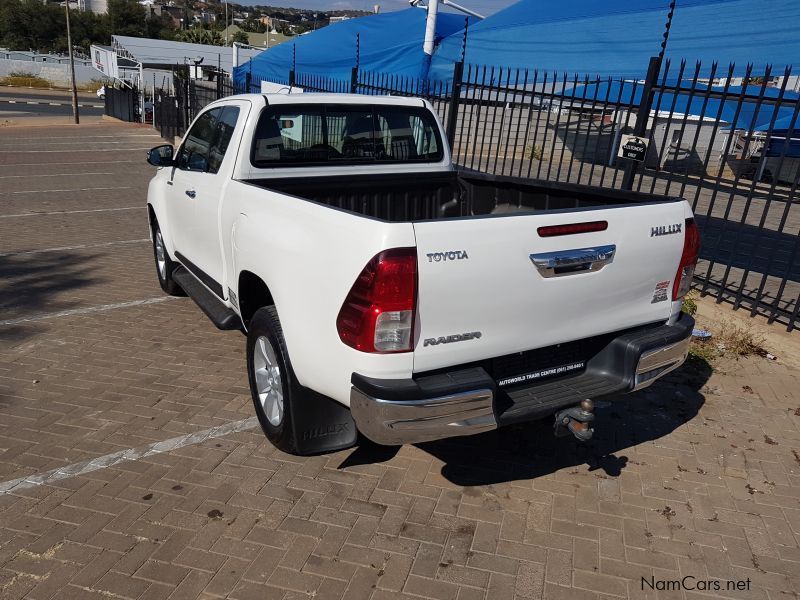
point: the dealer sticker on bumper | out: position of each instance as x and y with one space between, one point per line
526 377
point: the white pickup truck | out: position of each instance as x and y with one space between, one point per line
382 291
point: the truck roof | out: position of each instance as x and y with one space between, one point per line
314 98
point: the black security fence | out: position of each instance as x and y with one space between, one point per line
175 108
122 103
726 139
730 145
169 114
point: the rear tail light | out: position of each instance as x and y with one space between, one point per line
691 250
378 313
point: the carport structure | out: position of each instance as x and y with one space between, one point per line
156 60
165 55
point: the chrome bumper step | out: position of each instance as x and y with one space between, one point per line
469 401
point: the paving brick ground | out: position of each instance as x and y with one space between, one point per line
697 477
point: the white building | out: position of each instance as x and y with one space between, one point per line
99 7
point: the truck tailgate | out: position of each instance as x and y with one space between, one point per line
486 289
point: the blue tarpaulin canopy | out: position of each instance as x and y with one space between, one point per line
785 136
617 37
569 35
783 125
609 38
732 113
388 43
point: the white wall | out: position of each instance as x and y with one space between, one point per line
57 74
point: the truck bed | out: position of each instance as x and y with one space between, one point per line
429 196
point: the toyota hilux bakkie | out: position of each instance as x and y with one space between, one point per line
385 292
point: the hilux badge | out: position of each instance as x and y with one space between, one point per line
665 229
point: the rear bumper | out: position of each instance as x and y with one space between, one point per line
468 401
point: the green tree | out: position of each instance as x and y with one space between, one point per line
240 37
29 25
88 28
253 26
201 36
126 17
160 27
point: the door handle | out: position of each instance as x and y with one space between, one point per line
191 193
569 262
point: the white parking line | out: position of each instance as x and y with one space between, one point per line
89 162
7 101
70 212
87 310
33 141
72 151
79 247
52 175
131 454
90 189
116 137
74 142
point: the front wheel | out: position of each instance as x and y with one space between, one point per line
165 266
272 382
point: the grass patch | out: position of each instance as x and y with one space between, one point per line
22 79
703 353
729 339
91 86
740 340
29 80
534 151
689 305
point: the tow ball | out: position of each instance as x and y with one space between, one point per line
576 420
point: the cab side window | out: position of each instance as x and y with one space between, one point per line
223 132
194 153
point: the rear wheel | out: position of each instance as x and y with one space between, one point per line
165 266
273 386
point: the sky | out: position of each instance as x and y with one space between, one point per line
484 7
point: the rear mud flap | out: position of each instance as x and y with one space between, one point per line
322 425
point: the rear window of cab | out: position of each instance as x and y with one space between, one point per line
313 134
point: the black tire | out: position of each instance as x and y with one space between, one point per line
164 272
265 325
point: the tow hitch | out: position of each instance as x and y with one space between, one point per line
576 420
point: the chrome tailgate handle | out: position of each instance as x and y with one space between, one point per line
570 262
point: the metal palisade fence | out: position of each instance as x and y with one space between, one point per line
726 139
122 103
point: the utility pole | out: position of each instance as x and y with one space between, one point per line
430 27
72 69
226 22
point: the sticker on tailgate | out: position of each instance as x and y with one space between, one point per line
542 374
660 292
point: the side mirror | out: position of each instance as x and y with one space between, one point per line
160 156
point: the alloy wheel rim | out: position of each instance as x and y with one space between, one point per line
161 256
269 384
